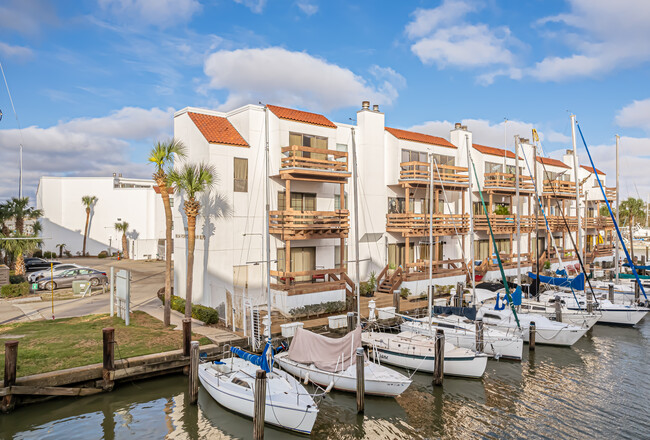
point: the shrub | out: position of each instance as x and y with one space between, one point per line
102 254
547 265
317 309
14 290
404 292
49 254
502 210
17 279
38 253
392 266
67 253
205 314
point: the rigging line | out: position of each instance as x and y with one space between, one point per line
611 213
566 225
494 243
12 103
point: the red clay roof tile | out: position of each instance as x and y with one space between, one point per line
494 151
217 130
591 170
301 116
419 137
553 162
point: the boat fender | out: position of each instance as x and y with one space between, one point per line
306 378
329 387
218 363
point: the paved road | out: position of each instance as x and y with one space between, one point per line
146 279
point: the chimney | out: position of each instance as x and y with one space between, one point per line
457 125
114 174
569 151
375 108
463 127
524 140
120 175
365 105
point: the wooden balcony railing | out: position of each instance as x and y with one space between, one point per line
442 268
309 281
559 188
611 194
308 161
297 225
506 182
598 223
449 175
500 223
416 225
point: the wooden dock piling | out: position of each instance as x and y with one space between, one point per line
460 290
361 380
352 324
11 362
108 368
531 336
637 292
558 310
396 301
260 405
187 336
610 295
590 305
193 377
479 335
439 361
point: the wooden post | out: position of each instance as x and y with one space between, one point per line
187 335
460 291
479 335
590 305
396 300
610 295
193 378
558 309
637 292
439 361
108 367
260 405
351 322
11 361
361 381
531 336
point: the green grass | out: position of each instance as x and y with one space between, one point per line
74 342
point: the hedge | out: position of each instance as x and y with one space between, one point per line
17 279
205 314
14 290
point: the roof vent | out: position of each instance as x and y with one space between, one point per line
457 125
375 108
365 105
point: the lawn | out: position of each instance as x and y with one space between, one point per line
73 342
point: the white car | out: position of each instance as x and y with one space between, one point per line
58 269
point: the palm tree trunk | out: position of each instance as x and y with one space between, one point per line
20 224
19 267
168 254
125 247
83 252
191 229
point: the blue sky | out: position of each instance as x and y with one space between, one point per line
96 82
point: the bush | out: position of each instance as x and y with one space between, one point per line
67 253
17 279
14 290
404 292
48 255
502 210
547 265
38 253
205 314
317 309
102 254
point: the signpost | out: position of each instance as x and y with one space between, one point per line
123 294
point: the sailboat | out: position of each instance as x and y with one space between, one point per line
231 382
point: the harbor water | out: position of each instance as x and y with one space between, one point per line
599 388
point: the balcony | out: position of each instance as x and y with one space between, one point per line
611 194
560 189
414 174
417 225
311 281
505 183
600 223
314 164
302 225
501 224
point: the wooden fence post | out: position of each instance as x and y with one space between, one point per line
187 336
108 369
361 381
11 362
259 405
439 361
193 377
479 335
531 336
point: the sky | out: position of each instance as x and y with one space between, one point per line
95 83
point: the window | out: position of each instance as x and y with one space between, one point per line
424 251
397 254
337 257
511 169
307 140
491 167
484 248
302 259
299 201
337 201
414 156
241 175
397 205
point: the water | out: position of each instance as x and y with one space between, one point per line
597 389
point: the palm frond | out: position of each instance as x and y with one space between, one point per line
88 201
193 179
122 227
162 153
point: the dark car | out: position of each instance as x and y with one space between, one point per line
33 263
66 278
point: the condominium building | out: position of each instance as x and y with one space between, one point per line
401 177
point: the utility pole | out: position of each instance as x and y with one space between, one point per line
618 244
575 173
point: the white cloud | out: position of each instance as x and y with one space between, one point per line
554 136
27 16
635 115
283 77
17 52
307 7
83 146
256 6
443 37
161 13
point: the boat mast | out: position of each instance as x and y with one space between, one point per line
575 173
356 226
616 255
431 239
471 223
537 202
518 219
267 236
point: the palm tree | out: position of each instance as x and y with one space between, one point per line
5 215
123 227
162 156
20 210
18 245
631 210
61 246
192 180
88 202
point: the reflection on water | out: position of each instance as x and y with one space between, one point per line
598 389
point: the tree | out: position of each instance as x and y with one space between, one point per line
20 210
88 202
632 210
5 216
123 227
18 245
61 246
162 156
192 180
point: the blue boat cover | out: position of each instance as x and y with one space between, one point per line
577 283
637 267
467 312
261 360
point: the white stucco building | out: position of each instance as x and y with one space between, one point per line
118 199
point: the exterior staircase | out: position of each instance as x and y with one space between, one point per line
388 284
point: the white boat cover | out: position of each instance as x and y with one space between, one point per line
329 354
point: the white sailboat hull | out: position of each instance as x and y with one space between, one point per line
379 380
473 366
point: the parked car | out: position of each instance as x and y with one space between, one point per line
33 263
66 278
35 276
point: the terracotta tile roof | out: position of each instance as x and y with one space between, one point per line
494 151
300 116
217 130
552 162
591 170
419 137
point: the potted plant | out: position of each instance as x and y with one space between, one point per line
391 269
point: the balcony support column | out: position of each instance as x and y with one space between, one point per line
407 206
287 261
491 201
342 196
407 246
435 202
287 196
462 213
